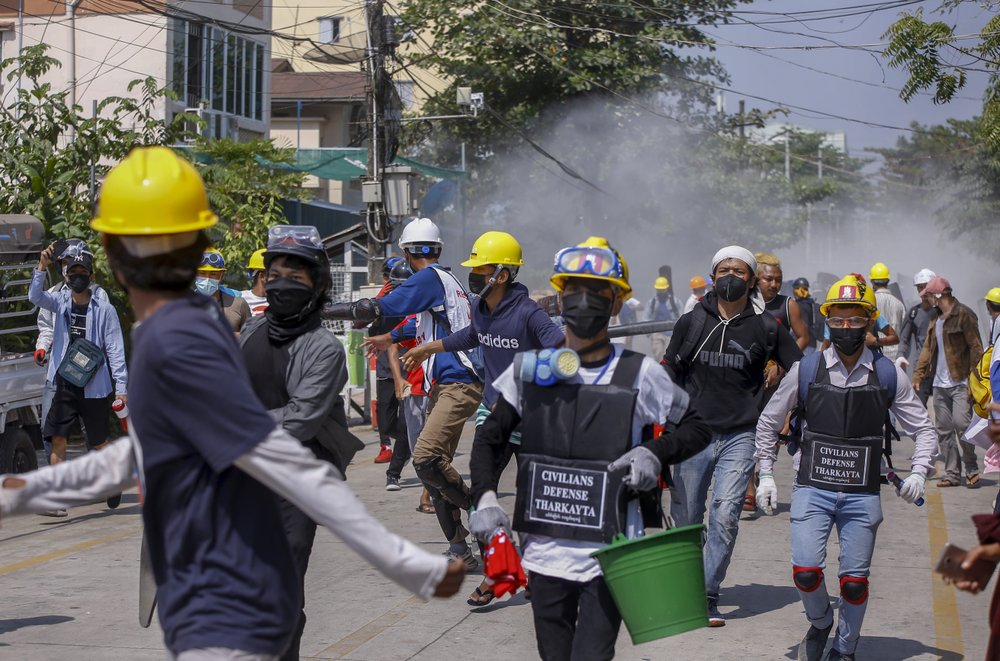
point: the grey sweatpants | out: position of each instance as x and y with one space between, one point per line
952 412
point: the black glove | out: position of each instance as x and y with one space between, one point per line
366 310
338 311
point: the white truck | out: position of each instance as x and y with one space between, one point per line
22 382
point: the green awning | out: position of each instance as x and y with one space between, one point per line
344 164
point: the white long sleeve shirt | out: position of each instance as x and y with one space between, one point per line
910 413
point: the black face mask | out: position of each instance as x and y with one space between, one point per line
731 288
477 283
848 340
78 282
288 299
586 314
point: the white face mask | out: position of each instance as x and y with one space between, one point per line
206 286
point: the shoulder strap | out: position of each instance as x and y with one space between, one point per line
698 318
886 371
627 369
808 369
771 326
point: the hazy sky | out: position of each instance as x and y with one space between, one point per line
773 74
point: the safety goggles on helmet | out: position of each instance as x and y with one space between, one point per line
303 236
212 260
847 322
588 260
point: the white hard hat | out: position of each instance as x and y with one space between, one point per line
420 231
923 276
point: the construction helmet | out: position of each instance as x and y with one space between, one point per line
212 260
420 232
296 240
697 282
993 295
923 276
256 262
495 248
879 272
153 191
661 283
851 290
594 259
801 287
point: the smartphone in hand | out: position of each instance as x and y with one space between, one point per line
950 565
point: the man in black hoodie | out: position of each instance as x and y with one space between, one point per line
719 351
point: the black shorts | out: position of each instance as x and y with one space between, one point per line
68 405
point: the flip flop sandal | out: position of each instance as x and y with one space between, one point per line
945 482
481 597
972 481
425 508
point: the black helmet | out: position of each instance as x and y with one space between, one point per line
400 272
800 283
298 240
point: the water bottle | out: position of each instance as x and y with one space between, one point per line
121 410
898 483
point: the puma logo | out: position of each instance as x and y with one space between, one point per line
733 344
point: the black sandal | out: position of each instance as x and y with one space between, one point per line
481 597
425 508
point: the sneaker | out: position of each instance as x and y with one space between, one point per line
392 483
715 618
834 655
58 514
114 502
384 455
469 558
812 646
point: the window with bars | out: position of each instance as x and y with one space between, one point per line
216 67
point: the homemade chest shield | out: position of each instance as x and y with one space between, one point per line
842 438
570 432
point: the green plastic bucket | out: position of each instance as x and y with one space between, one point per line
658 582
356 363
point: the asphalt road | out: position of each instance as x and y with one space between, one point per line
68 588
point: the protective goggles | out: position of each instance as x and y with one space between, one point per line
847 322
303 236
595 261
212 260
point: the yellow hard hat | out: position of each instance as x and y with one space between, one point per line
993 295
851 290
212 260
153 191
661 283
594 258
256 262
495 248
879 272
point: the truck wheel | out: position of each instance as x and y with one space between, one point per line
17 454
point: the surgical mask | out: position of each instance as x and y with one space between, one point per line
78 282
206 286
288 298
848 340
731 287
586 314
477 283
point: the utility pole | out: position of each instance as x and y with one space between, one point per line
376 218
788 158
743 109
819 163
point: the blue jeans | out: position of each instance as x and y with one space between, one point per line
857 517
727 462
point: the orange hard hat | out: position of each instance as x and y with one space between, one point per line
697 282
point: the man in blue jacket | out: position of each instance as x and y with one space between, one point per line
79 315
452 380
505 322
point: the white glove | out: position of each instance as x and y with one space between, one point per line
912 489
902 362
487 517
644 468
767 494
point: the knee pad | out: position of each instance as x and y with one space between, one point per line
807 579
854 589
434 477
